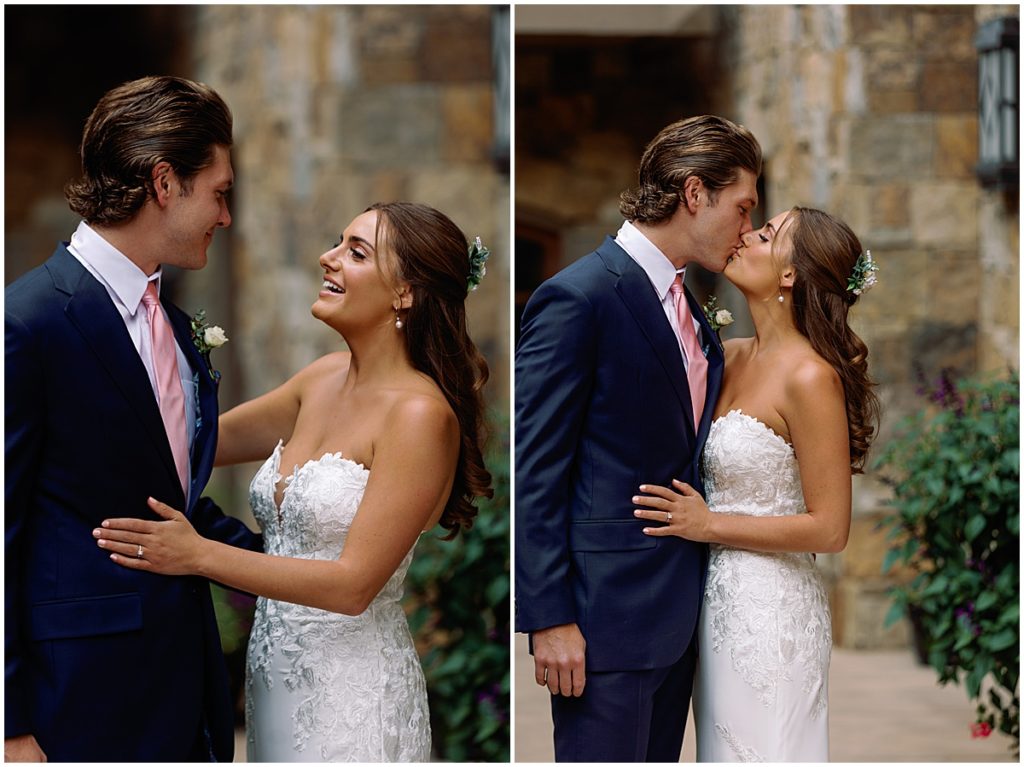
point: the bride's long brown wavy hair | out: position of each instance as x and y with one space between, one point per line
824 251
432 256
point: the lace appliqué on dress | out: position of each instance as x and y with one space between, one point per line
743 753
768 610
353 686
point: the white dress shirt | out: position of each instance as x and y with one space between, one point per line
125 283
660 271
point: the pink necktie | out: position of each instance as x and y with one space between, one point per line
172 398
697 365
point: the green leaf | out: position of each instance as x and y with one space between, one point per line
974 527
892 556
896 612
986 600
1002 640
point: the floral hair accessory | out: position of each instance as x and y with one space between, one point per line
206 338
478 256
717 318
863 277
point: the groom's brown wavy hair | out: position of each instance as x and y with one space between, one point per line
135 126
432 257
711 148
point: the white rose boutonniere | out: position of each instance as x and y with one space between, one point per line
717 318
215 336
206 338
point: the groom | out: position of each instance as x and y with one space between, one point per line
108 402
617 375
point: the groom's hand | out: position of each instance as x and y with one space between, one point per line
23 748
559 659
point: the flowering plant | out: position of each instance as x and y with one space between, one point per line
478 256
206 337
864 275
717 318
955 474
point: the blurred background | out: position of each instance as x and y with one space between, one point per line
903 121
335 107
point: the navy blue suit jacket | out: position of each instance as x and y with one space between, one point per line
602 405
102 663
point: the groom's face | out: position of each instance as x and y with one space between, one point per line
197 211
720 226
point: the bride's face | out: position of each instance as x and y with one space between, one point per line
358 290
756 265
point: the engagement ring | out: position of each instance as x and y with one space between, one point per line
138 554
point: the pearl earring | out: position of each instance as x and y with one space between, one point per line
398 321
781 299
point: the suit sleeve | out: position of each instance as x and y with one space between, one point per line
553 377
211 522
23 416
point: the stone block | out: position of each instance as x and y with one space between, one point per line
892 69
859 614
947 86
898 146
890 206
944 32
944 214
892 102
866 549
954 283
457 48
956 146
468 116
880 25
391 126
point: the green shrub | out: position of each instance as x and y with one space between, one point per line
458 602
955 473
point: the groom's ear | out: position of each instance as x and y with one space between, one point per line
694 193
162 177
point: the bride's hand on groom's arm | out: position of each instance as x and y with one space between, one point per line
682 511
170 547
559 659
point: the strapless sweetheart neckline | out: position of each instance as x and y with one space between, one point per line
275 458
754 419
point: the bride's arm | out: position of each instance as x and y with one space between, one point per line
413 466
815 412
250 431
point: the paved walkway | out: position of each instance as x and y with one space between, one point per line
883 707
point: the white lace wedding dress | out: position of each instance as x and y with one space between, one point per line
761 693
321 686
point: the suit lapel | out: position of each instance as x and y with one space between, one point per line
634 288
93 314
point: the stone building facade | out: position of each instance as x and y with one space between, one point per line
869 112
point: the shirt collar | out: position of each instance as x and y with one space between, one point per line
660 271
121 274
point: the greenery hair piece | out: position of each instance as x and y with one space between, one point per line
478 256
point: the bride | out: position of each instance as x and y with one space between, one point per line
794 419
367 449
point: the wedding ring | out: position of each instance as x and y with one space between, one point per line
668 518
138 554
